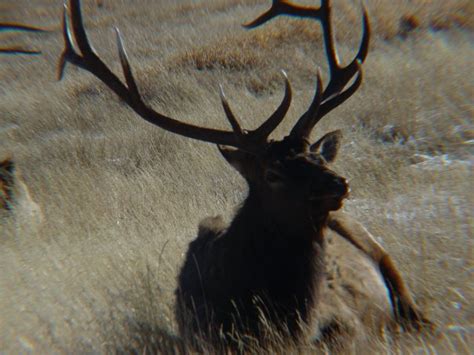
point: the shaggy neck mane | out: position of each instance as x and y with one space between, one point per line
254 220
283 266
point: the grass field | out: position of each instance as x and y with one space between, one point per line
121 199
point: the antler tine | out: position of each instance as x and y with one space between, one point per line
4 26
86 58
68 54
234 122
304 125
340 76
127 69
19 27
282 7
78 29
333 95
336 100
19 50
316 111
275 119
260 135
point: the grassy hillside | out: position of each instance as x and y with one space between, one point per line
121 199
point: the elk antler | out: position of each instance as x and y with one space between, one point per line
18 27
333 95
86 58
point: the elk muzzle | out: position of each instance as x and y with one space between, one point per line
329 191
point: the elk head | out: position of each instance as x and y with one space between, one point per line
291 172
292 177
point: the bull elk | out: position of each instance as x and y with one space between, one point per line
288 259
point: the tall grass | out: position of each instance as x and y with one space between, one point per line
121 199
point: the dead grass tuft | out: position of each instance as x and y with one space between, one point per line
245 50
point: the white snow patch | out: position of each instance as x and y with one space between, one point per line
440 162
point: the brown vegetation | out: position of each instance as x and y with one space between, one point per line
99 275
267 269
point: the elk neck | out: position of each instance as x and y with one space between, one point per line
255 219
284 262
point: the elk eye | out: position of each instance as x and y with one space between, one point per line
272 177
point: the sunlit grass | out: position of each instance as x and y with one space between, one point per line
121 199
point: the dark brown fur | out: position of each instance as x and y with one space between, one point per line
7 184
267 266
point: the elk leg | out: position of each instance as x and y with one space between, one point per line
404 308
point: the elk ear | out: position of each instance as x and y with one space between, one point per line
235 157
328 145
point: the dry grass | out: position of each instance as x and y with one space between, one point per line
121 199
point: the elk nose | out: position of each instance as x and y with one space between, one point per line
340 186
330 185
